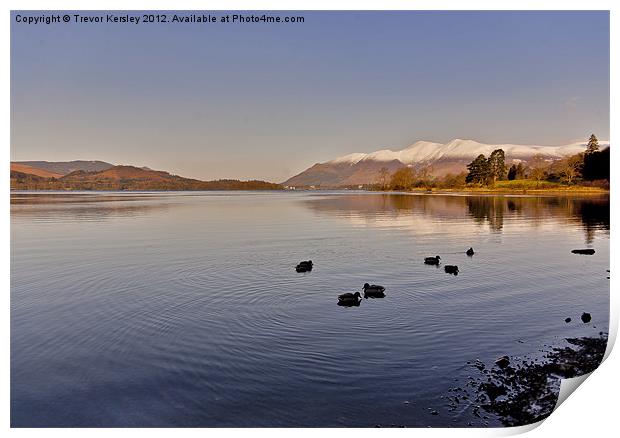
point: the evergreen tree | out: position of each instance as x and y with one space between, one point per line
596 165
512 173
478 170
497 165
592 145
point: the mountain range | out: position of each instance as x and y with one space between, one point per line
437 158
98 175
354 169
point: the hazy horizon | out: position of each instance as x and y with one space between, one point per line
266 101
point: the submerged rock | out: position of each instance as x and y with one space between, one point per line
503 362
586 317
527 392
588 251
567 320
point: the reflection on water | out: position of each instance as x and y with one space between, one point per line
592 211
185 309
83 206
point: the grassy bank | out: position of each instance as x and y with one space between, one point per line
519 187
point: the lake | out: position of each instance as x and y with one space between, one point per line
184 309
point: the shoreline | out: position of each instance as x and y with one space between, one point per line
584 191
506 191
518 391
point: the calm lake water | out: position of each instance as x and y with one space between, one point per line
184 309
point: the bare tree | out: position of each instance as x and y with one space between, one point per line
384 176
570 167
538 166
403 179
425 174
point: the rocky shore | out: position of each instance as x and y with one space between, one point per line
520 391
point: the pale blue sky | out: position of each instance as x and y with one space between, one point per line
268 100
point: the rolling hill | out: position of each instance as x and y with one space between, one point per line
65 167
23 168
127 178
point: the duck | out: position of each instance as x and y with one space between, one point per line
470 251
451 269
349 299
432 260
304 266
373 291
373 288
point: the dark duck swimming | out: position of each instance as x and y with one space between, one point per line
304 266
373 291
451 269
349 299
432 260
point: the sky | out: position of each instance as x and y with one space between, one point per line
267 100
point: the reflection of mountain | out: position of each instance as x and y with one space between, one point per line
422 213
83 207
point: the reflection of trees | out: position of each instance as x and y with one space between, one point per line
591 212
487 208
594 215
374 205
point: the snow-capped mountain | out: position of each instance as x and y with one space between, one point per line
451 157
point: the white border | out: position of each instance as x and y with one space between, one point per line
590 412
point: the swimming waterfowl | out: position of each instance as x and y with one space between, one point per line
376 294
349 298
373 291
432 260
304 266
350 303
451 269
470 252
373 288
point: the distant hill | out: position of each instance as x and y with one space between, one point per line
23 168
128 178
439 159
65 167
